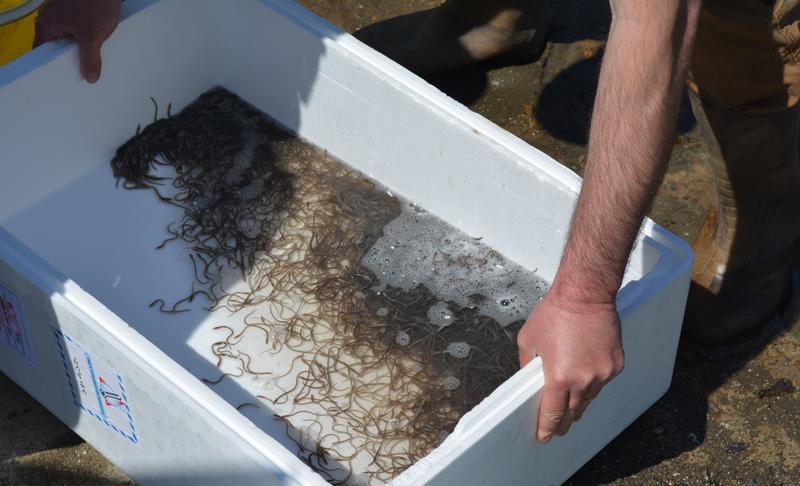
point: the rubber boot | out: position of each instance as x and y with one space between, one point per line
745 250
462 32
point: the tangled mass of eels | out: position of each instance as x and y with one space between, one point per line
384 324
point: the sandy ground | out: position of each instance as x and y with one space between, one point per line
723 421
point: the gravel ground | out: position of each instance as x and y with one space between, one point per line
732 415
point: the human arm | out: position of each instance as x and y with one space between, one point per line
576 328
87 22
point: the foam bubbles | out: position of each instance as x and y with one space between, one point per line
402 338
450 383
458 350
279 333
440 315
418 248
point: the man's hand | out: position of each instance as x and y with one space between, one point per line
87 22
576 329
581 351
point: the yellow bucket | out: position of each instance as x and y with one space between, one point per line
16 37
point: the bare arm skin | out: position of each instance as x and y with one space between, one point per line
576 328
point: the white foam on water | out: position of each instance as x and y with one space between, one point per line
450 383
402 338
417 248
440 315
458 350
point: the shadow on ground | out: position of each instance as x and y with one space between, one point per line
36 448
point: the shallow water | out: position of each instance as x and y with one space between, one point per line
366 324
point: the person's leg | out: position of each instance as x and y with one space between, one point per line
745 81
461 32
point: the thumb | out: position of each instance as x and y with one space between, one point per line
90 60
526 354
552 411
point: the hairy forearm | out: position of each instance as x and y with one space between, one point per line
641 82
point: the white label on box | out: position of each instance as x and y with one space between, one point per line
13 325
96 387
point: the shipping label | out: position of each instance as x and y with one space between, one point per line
96 387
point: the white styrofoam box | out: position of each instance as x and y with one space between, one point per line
77 268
